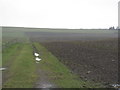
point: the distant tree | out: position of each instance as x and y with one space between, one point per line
112 28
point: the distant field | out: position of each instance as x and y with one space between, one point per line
69 56
56 34
70 35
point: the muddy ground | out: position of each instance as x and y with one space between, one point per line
91 60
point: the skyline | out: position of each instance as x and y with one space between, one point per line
73 14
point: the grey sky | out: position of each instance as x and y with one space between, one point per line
59 13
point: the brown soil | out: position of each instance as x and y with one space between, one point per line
91 60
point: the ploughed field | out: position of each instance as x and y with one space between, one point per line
91 60
92 56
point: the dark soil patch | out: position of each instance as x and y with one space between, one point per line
91 60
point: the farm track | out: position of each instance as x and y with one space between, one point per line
42 81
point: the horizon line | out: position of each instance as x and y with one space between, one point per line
49 28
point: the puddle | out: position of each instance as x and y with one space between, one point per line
46 89
2 69
45 85
43 81
116 86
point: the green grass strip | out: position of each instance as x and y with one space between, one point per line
8 52
22 72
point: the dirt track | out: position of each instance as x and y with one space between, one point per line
43 81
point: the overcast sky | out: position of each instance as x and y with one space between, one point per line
59 13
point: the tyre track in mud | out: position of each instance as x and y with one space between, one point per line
42 81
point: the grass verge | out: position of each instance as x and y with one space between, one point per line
8 52
22 72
